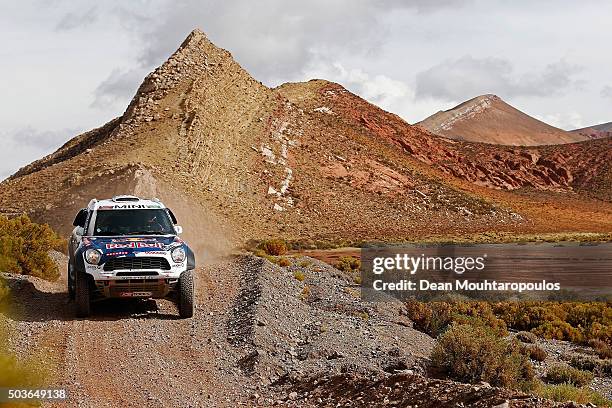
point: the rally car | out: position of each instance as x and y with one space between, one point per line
127 247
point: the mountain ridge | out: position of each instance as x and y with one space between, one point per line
596 131
488 119
305 160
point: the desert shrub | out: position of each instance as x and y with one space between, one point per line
572 321
526 337
559 330
575 322
4 292
602 349
299 276
25 246
274 247
590 363
473 354
568 392
560 374
305 295
348 264
305 263
283 261
535 352
434 317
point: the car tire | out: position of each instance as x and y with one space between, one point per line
71 291
185 298
82 295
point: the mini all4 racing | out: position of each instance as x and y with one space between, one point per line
128 247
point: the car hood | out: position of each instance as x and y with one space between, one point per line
132 244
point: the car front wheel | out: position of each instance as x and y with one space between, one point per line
71 291
185 298
82 295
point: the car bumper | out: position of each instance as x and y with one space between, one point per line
136 287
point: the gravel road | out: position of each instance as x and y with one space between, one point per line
261 335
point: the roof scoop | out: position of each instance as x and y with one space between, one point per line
124 198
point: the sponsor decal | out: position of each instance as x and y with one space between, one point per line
127 239
117 253
152 252
134 245
136 294
105 207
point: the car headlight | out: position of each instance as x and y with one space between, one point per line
178 254
93 256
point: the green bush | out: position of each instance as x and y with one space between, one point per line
562 374
476 353
568 392
25 246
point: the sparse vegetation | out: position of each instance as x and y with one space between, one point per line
590 363
305 263
299 276
25 246
476 353
563 374
602 348
283 261
348 264
568 392
526 337
577 322
305 292
572 321
274 247
434 318
535 352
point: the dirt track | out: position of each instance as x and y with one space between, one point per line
133 353
260 337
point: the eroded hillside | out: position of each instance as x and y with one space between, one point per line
308 160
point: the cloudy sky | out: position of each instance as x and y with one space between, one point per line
68 66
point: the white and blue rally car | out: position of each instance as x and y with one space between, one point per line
127 247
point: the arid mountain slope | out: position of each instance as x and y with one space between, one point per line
239 160
488 119
596 131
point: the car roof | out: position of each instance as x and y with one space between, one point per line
125 202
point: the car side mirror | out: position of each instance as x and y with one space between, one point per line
178 229
81 217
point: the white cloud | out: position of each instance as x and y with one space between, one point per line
467 77
118 88
566 121
24 145
378 89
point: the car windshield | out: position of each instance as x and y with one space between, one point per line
133 222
